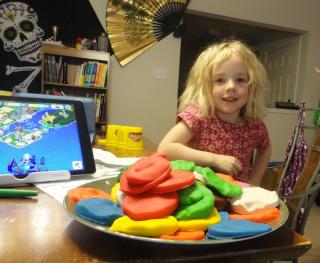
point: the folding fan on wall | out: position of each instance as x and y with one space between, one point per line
133 26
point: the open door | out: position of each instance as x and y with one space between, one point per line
282 61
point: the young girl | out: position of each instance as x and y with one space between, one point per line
219 115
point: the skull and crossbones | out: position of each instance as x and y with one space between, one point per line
21 34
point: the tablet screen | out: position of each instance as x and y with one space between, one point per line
38 135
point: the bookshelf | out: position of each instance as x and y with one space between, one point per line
76 72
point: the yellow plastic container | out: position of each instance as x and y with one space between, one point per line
113 135
128 137
131 138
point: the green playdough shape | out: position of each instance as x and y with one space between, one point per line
223 187
200 209
122 171
190 195
183 165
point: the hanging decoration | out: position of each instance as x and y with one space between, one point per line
135 26
296 155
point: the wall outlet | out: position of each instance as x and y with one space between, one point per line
160 73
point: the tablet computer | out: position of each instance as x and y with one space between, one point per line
39 135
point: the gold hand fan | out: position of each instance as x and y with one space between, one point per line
133 26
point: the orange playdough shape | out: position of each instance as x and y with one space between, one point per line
150 206
227 178
259 217
184 235
176 181
80 193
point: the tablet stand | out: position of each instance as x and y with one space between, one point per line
35 177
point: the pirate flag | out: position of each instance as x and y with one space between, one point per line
24 25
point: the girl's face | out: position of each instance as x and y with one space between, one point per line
230 89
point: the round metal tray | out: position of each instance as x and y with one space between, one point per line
106 186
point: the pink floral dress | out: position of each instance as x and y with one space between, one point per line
221 137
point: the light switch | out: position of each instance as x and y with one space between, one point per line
160 73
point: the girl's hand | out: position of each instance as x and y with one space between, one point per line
175 146
227 164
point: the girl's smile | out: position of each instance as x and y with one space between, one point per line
229 99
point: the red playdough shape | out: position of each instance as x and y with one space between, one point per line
160 154
176 181
146 170
150 206
138 189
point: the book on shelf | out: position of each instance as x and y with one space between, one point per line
91 74
88 73
59 66
77 75
83 69
53 67
65 71
103 75
103 104
98 72
100 99
97 99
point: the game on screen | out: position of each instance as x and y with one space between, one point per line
37 137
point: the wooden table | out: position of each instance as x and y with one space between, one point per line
39 230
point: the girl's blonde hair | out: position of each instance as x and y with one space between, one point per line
198 89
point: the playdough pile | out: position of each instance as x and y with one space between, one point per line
178 200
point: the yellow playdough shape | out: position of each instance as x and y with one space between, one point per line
147 228
114 191
199 224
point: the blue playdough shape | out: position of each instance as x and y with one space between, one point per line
224 215
98 210
236 229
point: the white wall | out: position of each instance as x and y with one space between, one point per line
136 98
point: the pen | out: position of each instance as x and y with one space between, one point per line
17 193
